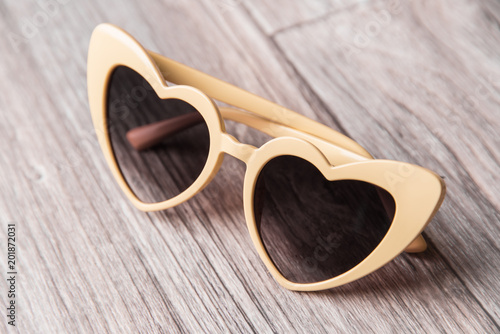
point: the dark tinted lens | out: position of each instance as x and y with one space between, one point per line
314 229
168 168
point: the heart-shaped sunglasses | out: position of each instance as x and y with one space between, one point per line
320 210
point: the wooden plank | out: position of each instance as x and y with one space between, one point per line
274 16
89 262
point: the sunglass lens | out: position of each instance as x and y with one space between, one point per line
167 166
314 229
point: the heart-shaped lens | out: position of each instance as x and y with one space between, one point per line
173 142
314 229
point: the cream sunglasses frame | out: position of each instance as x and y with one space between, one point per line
417 192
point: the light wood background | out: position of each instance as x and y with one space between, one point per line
416 81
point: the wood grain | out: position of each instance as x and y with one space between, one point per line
412 81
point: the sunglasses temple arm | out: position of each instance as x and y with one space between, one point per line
220 90
417 246
146 136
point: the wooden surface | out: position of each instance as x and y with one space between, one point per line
416 81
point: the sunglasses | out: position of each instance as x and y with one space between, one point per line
320 210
